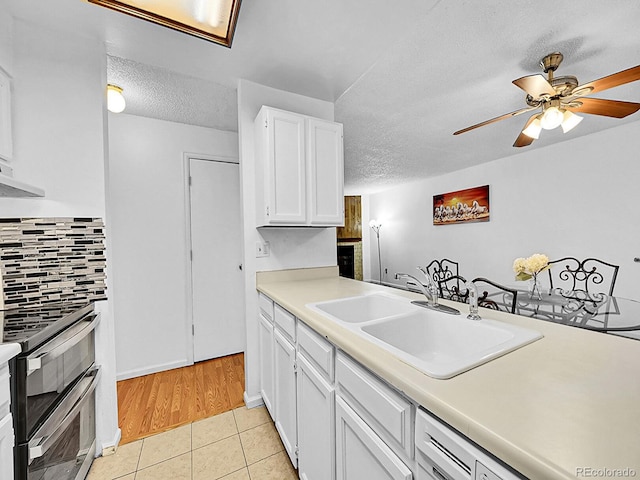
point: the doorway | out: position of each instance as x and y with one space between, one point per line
215 231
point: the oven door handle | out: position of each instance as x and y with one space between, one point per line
65 341
77 399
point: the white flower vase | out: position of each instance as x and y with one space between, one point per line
534 288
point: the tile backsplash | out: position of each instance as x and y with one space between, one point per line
51 260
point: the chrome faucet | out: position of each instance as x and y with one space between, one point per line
473 301
432 299
431 292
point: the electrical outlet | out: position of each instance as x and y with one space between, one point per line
262 249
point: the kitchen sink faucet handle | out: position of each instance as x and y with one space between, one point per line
473 301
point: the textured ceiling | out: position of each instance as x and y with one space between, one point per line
454 69
403 75
160 93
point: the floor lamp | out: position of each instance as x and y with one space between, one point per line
375 226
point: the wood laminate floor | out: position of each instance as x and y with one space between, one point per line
158 402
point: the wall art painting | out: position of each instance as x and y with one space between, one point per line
462 206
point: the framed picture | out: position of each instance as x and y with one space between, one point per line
212 21
462 206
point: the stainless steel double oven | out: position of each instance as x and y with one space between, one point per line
53 383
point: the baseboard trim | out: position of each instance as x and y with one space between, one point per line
111 447
253 401
139 372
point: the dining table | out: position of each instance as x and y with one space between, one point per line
603 313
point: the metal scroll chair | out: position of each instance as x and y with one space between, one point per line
496 296
449 288
490 294
443 269
591 280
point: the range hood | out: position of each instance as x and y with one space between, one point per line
10 187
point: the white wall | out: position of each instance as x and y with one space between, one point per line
59 129
576 198
147 206
290 247
6 42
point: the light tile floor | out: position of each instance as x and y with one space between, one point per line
241 444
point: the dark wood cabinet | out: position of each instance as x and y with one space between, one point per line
352 229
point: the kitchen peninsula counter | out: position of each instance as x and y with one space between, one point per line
563 407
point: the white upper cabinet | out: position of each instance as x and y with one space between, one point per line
325 160
299 170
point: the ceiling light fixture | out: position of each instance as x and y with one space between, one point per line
534 128
115 100
570 120
551 118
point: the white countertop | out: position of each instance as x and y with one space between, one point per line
568 401
8 351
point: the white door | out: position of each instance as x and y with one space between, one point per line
316 424
216 245
284 359
360 453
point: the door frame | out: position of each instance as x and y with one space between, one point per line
186 163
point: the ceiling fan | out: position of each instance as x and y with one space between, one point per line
560 98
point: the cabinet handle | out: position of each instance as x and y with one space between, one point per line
438 474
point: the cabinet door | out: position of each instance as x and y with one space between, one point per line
265 338
286 169
325 160
316 433
360 453
352 229
285 393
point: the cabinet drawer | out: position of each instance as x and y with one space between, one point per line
390 414
266 306
286 322
5 395
316 349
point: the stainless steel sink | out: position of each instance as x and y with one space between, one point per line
436 343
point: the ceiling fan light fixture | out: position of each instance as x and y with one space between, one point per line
115 100
551 118
534 129
570 121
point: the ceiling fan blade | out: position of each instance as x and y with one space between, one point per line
535 85
524 140
607 108
501 117
626 76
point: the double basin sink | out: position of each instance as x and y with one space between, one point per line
439 344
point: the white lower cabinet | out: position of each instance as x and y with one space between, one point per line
316 433
265 338
284 356
336 420
360 453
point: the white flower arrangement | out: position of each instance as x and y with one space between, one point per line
527 268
